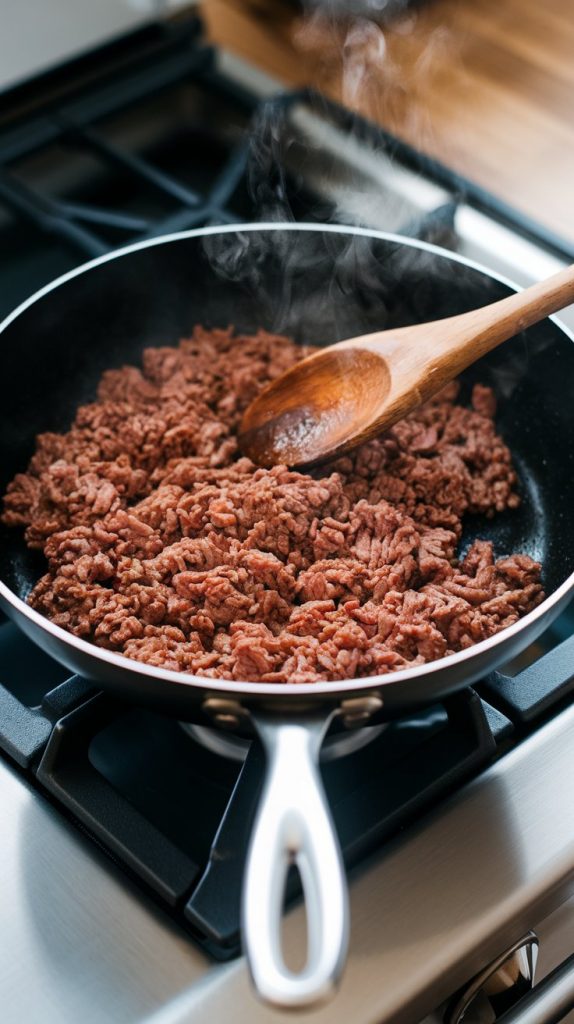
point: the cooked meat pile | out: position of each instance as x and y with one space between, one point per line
165 545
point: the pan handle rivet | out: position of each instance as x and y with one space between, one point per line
228 714
356 711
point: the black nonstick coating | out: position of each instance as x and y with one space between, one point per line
319 287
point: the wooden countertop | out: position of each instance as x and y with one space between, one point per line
486 86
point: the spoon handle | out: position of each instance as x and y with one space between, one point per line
488 326
424 358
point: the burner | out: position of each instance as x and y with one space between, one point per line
236 748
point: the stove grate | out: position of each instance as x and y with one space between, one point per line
178 817
179 55
74 124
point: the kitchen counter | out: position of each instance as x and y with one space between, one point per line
485 86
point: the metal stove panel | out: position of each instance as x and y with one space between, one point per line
78 942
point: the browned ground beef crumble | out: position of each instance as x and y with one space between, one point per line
165 545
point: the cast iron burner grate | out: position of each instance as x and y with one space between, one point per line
177 816
79 125
159 140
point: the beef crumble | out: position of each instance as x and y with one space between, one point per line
165 545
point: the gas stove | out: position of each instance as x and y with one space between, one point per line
126 832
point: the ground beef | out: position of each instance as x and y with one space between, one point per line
165 545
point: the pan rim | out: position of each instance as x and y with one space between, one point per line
252 689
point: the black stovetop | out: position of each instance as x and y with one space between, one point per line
160 142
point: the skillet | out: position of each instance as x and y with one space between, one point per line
317 283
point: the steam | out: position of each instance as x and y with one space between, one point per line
266 179
364 51
367 54
385 54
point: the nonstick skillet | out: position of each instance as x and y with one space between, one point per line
319 284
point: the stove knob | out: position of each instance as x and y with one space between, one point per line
498 987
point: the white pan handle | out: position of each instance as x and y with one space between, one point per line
294 826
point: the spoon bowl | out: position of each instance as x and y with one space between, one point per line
320 404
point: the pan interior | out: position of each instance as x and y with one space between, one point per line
318 287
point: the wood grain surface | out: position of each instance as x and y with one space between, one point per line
487 86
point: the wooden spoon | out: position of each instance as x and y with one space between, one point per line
349 392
